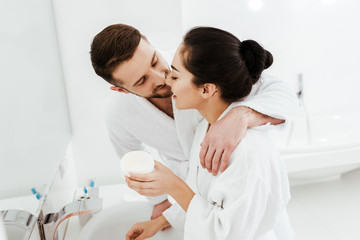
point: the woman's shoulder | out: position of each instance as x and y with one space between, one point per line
256 148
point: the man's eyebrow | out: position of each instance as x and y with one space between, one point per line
151 63
174 68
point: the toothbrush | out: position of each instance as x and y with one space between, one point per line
37 195
85 191
91 186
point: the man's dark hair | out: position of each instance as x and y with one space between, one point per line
113 46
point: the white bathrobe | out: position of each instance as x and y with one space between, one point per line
245 202
135 124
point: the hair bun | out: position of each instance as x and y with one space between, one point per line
256 58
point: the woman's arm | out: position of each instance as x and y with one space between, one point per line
163 180
144 230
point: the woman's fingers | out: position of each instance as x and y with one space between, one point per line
157 164
133 233
140 237
143 188
147 177
139 185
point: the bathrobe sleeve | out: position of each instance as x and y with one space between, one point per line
272 97
124 142
246 217
239 205
175 215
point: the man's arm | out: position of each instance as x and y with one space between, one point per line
271 101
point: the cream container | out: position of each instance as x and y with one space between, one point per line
137 162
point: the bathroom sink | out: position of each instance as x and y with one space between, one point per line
115 222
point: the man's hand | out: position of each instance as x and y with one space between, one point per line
225 134
160 208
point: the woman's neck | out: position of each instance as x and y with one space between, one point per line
213 109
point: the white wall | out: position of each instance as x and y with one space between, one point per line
319 38
78 21
34 120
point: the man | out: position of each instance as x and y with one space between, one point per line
141 113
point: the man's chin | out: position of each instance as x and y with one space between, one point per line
165 93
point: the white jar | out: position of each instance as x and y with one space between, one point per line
137 162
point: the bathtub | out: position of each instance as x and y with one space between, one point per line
320 147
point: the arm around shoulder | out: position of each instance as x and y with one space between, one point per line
272 98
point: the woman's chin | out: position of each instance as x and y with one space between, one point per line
177 105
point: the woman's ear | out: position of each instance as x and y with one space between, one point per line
119 89
208 90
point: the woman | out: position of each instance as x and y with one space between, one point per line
211 70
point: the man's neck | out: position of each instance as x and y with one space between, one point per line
164 104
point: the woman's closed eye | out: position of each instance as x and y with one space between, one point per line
173 78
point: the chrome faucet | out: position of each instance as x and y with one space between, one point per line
23 220
51 221
300 96
300 87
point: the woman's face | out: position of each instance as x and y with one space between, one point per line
186 94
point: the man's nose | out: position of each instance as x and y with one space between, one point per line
159 77
168 80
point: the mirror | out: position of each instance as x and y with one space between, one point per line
34 124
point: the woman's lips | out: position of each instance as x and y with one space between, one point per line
174 97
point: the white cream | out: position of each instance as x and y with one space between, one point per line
137 162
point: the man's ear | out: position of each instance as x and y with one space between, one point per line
119 89
208 90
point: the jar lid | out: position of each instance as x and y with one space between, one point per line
137 162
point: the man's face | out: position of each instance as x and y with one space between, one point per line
145 73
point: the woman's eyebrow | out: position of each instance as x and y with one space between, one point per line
174 68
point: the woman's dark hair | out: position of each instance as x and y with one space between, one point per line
215 56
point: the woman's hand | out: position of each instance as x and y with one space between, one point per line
144 230
160 208
156 183
160 182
